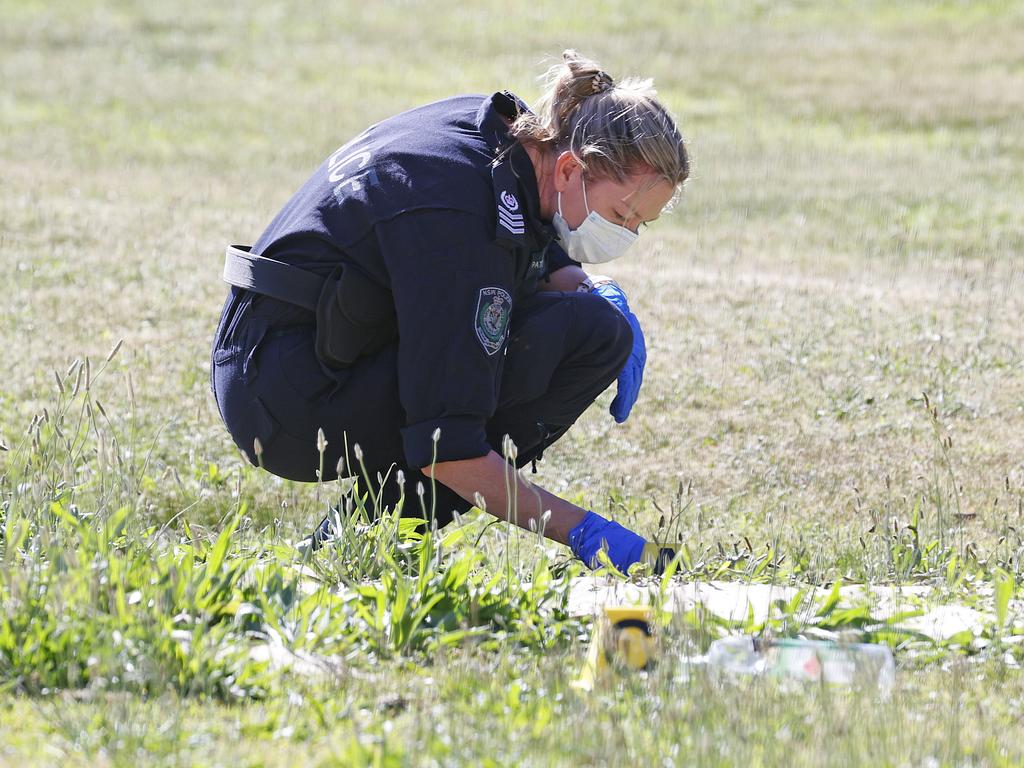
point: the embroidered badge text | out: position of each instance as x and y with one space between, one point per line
493 308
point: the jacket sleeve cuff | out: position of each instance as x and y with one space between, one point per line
460 437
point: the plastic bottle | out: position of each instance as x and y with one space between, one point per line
860 664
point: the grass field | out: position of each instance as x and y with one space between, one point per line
835 389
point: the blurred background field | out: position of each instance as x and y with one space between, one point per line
833 311
850 238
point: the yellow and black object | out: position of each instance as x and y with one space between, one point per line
623 641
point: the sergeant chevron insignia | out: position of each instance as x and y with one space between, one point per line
508 215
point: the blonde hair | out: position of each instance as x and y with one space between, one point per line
613 129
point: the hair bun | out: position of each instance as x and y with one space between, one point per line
613 136
584 76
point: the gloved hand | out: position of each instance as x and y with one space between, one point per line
632 374
623 547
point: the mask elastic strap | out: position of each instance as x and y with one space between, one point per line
585 203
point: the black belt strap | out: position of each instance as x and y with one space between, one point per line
276 279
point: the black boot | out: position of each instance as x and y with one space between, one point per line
321 534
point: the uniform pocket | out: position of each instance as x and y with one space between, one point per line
225 347
355 316
224 354
298 363
265 428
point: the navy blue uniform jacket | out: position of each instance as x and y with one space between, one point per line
441 209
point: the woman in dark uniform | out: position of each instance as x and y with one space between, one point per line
418 309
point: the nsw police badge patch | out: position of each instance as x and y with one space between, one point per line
493 308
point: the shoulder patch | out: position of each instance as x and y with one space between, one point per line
493 309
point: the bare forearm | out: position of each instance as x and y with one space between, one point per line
507 495
564 279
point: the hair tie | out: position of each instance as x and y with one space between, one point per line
601 82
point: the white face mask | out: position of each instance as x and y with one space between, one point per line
596 240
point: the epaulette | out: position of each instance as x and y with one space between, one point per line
511 219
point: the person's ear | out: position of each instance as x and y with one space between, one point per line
567 171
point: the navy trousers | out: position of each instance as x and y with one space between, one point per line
563 350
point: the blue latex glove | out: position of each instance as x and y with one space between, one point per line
632 374
595 532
